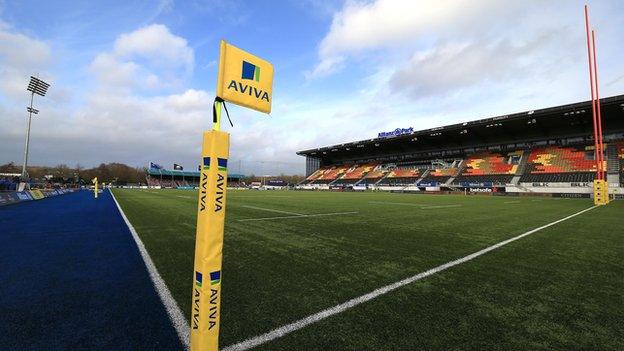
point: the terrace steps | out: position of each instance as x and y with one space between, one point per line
523 162
521 167
425 173
382 178
613 178
460 169
613 163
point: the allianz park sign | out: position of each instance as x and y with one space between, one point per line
396 132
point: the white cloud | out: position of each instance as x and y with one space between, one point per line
117 122
327 66
157 44
190 100
18 50
362 26
442 49
110 71
149 58
20 57
452 66
114 121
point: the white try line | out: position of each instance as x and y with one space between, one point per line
395 203
438 206
289 328
257 197
272 210
421 206
297 216
173 310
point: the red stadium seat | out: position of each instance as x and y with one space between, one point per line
489 164
557 159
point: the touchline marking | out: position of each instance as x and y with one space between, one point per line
289 328
298 216
272 210
173 310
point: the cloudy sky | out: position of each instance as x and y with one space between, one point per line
133 81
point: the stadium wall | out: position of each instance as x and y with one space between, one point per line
15 197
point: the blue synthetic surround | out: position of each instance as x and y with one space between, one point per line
72 278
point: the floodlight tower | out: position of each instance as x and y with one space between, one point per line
39 87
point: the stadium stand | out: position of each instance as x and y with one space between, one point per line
375 175
318 173
8 184
519 152
180 179
488 180
358 172
331 174
354 174
489 168
440 175
401 176
620 153
544 164
560 164
491 163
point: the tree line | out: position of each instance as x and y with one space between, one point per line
116 173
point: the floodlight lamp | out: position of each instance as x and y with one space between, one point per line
37 86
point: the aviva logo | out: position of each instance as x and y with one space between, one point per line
244 79
221 163
215 277
198 279
250 71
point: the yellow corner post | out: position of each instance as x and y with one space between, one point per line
95 187
601 192
245 80
205 319
217 124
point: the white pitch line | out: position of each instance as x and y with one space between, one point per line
396 203
272 210
289 328
422 206
184 197
299 216
256 197
439 206
511 202
173 310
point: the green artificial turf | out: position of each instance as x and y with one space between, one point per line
560 288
